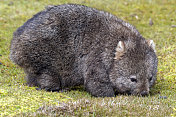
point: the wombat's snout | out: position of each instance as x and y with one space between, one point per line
144 93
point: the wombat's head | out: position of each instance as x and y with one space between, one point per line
135 67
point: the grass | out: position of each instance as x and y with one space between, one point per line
16 99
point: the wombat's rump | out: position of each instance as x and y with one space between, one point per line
70 45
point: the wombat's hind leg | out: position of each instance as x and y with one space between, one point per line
31 79
49 81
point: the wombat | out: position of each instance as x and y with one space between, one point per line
70 45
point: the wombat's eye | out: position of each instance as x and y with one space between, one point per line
133 79
150 78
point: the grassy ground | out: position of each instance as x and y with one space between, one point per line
16 99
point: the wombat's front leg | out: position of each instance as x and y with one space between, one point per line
97 83
99 89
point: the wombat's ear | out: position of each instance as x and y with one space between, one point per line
151 44
120 49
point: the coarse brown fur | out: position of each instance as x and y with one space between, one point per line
70 45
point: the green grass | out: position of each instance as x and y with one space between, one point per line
16 99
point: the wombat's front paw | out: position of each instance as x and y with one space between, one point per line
104 94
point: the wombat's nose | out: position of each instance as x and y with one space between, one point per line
144 93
